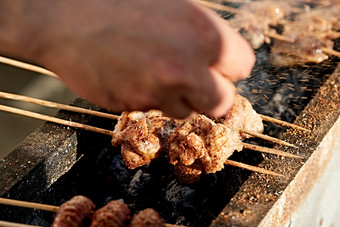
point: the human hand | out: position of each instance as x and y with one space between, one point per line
172 55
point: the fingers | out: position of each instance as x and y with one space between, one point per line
176 106
225 91
236 57
215 97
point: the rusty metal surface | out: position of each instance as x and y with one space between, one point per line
259 193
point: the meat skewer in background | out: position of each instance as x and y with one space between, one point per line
258 19
312 34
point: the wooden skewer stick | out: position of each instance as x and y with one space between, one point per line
57 105
221 7
27 66
41 102
331 52
278 37
332 34
104 131
13 224
55 120
40 206
252 168
269 150
283 123
13 202
268 138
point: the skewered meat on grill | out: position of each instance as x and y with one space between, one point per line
258 18
114 214
195 146
147 218
310 33
242 116
142 136
74 213
200 138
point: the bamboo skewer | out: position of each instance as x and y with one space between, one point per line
111 116
13 202
268 138
55 120
27 66
278 37
331 52
269 150
283 123
251 168
13 224
56 105
96 113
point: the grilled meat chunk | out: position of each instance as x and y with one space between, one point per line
142 136
114 214
74 212
147 218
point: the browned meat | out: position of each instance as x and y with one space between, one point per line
201 139
258 17
74 212
306 49
189 174
310 32
194 146
242 116
115 214
147 218
142 136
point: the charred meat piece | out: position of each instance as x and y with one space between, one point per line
189 174
74 212
114 214
142 136
200 139
242 116
147 218
194 146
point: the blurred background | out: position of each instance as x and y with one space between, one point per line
15 128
